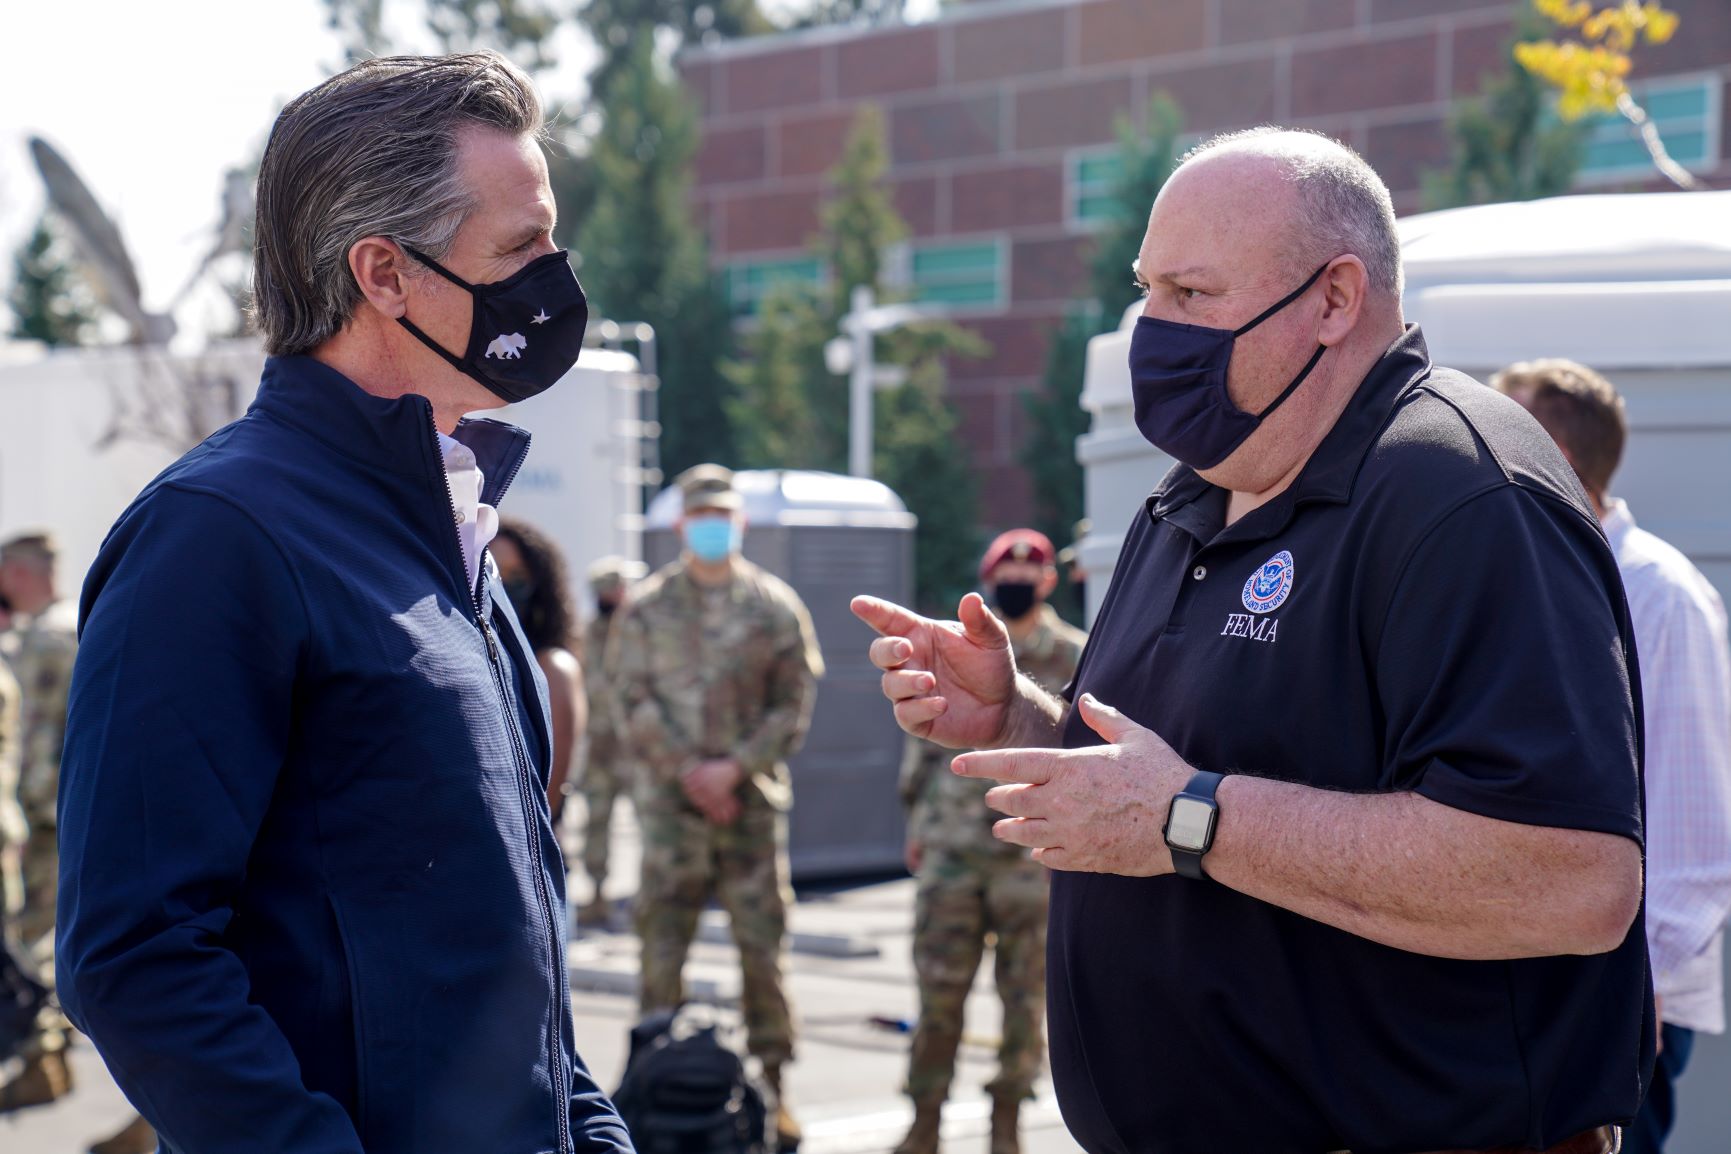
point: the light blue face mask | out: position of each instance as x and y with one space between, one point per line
713 539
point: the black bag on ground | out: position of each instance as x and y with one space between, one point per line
687 1091
21 1000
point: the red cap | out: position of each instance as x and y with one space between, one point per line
1017 545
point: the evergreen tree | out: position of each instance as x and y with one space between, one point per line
616 24
642 259
781 390
917 454
50 299
791 412
521 29
1055 414
818 13
1506 146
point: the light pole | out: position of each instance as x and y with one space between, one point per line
851 353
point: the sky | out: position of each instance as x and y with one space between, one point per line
153 102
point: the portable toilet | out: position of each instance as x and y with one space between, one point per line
831 538
1636 285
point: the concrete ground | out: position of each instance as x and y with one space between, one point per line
844 1085
850 964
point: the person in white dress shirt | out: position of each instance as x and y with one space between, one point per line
1680 639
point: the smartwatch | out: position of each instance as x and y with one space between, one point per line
1191 821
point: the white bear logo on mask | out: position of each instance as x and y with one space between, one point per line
507 346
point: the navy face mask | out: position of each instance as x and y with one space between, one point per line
1178 382
527 330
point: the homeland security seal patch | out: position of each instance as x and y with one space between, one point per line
1267 588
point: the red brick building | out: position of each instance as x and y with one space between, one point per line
1000 117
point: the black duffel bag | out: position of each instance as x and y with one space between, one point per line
687 1090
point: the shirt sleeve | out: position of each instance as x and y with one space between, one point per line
642 721
788 694
1503 669
181 708
53 653
1686 690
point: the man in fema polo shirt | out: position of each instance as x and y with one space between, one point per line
1346 821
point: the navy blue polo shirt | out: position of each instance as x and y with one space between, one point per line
1431 607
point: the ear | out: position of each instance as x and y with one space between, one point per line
1344 288
380 268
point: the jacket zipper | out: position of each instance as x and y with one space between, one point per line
525 795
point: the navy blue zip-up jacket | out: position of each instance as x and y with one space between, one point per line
311 900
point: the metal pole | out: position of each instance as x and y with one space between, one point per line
859 428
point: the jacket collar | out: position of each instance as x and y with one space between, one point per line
1334 465
394 434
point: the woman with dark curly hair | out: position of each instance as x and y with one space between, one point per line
533 572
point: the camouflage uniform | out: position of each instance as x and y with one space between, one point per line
41 650
972 885
712 672
13 828
604 773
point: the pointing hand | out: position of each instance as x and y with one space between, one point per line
952 682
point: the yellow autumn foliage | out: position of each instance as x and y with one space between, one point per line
1590 70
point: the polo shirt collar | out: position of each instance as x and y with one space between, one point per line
1332 468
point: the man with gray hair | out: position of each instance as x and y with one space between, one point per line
1345 819
311 897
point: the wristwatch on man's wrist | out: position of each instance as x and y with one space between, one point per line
1191 821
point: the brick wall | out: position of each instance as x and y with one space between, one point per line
986 106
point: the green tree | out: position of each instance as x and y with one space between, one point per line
644 260
50 300
1056 419
818 13
1505 145
915 443
791 412
616 24
521 29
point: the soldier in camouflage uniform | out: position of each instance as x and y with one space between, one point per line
715 664
13 828
604 774
973 887
39 648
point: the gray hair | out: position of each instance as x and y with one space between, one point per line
1343 205
370 152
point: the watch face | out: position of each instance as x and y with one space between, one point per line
1190 824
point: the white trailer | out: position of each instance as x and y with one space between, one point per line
85 429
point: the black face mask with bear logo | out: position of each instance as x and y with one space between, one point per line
527 330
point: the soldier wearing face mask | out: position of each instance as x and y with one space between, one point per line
973 887
715 665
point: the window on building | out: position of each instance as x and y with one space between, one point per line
1685 111
749 281
959 274
1093 175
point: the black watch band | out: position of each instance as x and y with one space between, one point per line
1199 791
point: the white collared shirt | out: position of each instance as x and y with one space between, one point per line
477 524
1680 639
